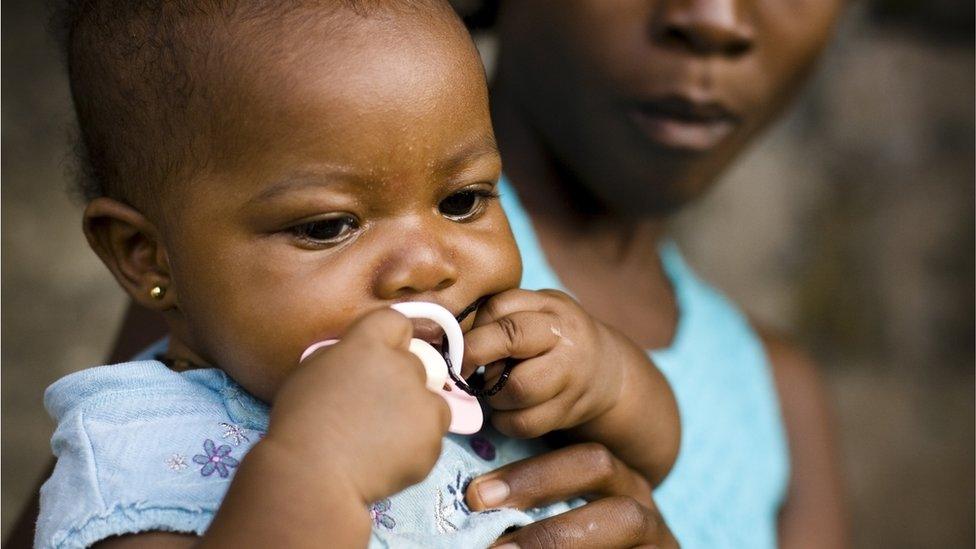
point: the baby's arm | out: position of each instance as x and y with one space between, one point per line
325 456
578 375
274 502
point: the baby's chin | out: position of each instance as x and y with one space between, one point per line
261 383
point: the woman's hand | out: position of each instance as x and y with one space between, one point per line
576 374
621 512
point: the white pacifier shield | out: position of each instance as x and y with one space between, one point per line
444 319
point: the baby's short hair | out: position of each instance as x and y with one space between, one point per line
143 75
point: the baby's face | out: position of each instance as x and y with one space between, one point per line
349 174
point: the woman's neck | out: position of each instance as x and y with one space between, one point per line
595 252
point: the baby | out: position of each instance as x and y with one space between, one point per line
272 174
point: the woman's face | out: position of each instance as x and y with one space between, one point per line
645 101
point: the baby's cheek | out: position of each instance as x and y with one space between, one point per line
503 260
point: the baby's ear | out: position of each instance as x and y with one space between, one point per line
129 245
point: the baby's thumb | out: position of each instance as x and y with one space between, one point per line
384 326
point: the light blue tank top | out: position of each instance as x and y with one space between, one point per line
730 478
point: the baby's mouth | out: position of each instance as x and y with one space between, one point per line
429 331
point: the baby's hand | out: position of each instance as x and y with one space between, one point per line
577 374
360 408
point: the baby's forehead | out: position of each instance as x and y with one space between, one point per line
152 79
374 95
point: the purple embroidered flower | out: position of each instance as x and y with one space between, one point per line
216 458
377 512
457 489
483 447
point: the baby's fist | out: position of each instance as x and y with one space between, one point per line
353 403
570 371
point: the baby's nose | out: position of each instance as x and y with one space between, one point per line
416 270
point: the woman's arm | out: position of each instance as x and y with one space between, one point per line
814 512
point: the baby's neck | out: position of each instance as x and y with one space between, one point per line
180 357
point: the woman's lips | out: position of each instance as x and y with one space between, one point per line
678 123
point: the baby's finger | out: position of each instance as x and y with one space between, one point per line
533 382
518 335
508 302
385 326
443 412
611 522
582 470
530 422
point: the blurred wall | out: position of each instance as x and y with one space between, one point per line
850 224
60 307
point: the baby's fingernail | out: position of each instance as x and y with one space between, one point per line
492 492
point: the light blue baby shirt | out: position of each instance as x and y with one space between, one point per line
143 448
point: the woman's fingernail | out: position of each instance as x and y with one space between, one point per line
508 545
492 492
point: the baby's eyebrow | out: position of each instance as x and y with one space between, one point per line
330 176
484 145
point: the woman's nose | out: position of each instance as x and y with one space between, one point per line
706 27
416 268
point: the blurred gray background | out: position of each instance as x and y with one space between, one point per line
851 224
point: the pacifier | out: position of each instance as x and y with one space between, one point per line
466 415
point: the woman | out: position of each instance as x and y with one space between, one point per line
613 115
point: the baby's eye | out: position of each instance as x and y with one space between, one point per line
466 204
326 231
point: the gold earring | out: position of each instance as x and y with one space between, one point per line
157 292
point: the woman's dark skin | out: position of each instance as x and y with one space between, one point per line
609 117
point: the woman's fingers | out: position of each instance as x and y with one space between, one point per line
581 470
618 521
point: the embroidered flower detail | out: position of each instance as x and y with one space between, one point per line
236 434
377 512
176 462
457 489
441 514
216 458
483 447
